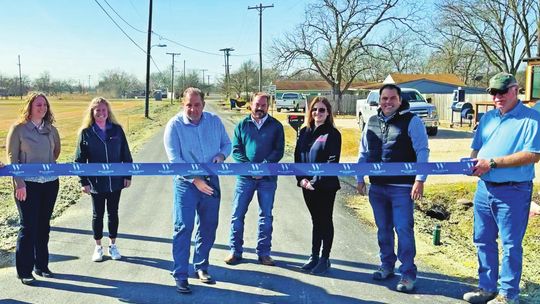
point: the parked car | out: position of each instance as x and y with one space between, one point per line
291 101
365 108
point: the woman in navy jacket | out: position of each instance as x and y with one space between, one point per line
102 140
319 142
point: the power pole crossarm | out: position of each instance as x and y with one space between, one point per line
260 8
226 53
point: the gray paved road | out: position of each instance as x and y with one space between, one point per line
142 276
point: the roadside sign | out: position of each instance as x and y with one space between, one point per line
271 89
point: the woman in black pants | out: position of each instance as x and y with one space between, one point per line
102 140
319 142
34 139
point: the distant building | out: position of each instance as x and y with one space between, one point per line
425 83
310 88
3 93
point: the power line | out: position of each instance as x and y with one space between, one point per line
200 51
119 27
161 37
138 30
155 64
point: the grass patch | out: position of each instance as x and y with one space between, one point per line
457 254
69 112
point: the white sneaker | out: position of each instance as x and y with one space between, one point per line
98 254
114 253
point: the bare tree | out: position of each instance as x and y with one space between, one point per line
503 29
334 37
451 54
117 83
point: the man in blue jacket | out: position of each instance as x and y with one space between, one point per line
259 138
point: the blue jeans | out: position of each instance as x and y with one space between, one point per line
501 210
245 189
393 209
192 206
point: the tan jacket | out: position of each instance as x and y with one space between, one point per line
28 144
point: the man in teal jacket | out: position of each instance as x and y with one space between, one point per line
259 138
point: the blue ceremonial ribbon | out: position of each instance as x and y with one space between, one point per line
264 169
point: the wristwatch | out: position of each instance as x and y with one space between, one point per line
492 164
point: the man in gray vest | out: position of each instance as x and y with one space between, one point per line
394 135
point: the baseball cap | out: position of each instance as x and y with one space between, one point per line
501 82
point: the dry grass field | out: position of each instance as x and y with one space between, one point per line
69 112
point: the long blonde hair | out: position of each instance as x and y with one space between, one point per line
88 119
26 110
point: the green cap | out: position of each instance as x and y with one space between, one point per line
501 81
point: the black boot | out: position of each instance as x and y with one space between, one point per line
322 266
311 263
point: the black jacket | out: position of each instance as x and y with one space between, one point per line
114 149
322 145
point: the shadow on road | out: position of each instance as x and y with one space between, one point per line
427 284
120 235
145 292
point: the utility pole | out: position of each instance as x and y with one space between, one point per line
172 74
184 79
208 82
260 8
148 57
226 54
20 77
203 70
89 76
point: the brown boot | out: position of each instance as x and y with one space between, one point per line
267 260
232 259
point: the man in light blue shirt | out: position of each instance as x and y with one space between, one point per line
394 135
194 136
506 146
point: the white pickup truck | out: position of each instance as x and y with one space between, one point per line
291 101
365 108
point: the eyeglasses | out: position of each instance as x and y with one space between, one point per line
320 110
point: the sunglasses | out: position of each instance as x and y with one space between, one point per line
320 110
494 92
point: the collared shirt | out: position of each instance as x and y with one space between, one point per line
417 133
259 124
500 135
186 142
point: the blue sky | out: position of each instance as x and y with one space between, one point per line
74 39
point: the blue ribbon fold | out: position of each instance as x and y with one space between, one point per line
264 169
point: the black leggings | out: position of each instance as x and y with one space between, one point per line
112 200
320 204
